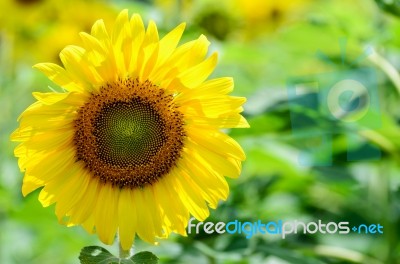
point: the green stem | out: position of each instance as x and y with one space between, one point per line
387 68
124 254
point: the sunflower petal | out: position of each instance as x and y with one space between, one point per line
196 75
106 219
169 43
127 218
59 76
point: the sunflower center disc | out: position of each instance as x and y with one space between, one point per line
129 134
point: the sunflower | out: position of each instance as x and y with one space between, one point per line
266 16
134 143
35 25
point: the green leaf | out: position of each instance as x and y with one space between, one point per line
392 7
95 254
144 257
99 255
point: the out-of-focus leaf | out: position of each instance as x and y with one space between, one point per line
392 6
289 255
144 257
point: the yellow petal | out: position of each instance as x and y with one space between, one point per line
47 167
73 58
52 190
183 58
30 183
203 185
127 218
137 25
72 192
213 107
222 85
106 218
60 77
145 225
154 211
228 121
85 211
196 75
151 36
175 213
44 142
189 195
122 42
50 98
100 57
207 90
189 54
217 162
95 47
138 33
99 31
169 43
216 141
147 61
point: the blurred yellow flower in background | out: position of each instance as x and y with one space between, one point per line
216 18
176 8
235 19
38 30
263 16
134 144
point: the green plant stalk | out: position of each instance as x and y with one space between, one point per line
387 68
122 253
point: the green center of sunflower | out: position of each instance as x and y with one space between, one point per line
129 134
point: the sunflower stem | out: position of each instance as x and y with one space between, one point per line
124 254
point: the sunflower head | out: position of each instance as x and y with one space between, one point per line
216 21
134 143
261 17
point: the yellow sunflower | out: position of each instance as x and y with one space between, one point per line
266 16
35 25
134 144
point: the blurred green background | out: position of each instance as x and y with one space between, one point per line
262 44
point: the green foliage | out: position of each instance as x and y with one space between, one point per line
144 257
392 6
99 255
